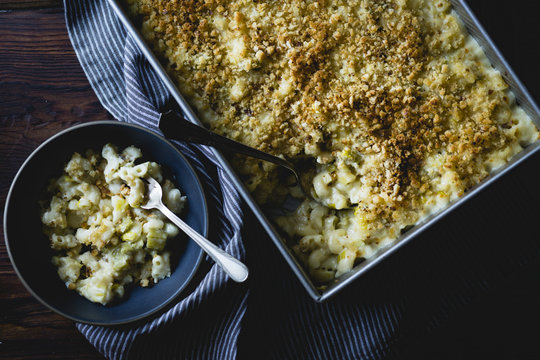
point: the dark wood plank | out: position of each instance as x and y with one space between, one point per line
42 91
29 4
42 86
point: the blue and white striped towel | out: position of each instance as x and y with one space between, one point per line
271 316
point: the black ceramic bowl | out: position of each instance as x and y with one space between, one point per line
28 247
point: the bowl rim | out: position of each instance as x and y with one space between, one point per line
204 220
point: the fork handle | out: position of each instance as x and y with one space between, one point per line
232 266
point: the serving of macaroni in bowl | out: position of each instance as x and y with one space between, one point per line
104 240
77 236
394 103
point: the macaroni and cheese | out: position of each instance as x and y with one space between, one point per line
396 104
103 239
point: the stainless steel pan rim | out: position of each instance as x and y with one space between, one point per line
472 25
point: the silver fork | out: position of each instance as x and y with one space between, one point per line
233 267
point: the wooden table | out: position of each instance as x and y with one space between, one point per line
44 90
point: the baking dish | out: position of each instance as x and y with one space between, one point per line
474 28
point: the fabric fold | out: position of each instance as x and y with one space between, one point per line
129 89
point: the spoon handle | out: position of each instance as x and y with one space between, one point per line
176 127
232 266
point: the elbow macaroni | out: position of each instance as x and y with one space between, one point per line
103 239
397 105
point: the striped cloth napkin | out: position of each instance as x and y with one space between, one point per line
381 316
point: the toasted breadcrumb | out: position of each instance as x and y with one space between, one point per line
398 82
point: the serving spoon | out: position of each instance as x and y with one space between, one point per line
174 126
232 266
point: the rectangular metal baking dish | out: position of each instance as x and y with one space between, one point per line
477 31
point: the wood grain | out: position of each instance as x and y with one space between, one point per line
42 91
42 86
29 4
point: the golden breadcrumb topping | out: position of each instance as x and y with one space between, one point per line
393 92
